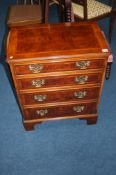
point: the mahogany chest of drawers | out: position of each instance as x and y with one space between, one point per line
58 70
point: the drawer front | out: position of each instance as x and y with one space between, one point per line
60 111
60 96
36 68
67 80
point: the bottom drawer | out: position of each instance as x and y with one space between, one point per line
60 111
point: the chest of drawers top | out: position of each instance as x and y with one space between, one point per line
56 41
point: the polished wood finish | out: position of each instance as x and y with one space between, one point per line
53 78
56 81
59 110
75 94
56 67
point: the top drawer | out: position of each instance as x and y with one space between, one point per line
35 68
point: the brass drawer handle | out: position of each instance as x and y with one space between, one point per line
80 94
40 98
35 68
38 83
81 79
42 112
78 108
83 64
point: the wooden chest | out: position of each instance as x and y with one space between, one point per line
58 70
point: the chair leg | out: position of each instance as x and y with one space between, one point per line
112 19
108 70
46 11
68 13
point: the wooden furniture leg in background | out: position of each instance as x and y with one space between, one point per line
68 13
108 68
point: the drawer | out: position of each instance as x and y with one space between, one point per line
56 81
60 96
36 68
60 111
